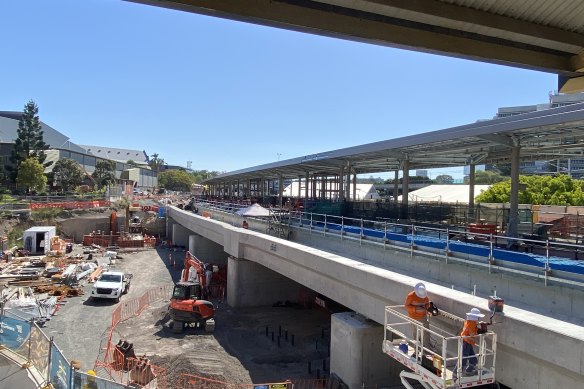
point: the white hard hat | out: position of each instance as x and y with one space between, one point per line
420 290
474 314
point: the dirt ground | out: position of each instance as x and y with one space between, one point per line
238 351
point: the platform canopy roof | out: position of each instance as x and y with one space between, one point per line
546 35
542 135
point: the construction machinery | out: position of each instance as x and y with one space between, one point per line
187 305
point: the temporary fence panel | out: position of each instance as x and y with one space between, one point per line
60 372
15 333
82 380
40 347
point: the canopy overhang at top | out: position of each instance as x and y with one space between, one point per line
545 35
556 133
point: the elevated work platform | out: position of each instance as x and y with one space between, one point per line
440 366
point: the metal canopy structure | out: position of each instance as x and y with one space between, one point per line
546 35
541 135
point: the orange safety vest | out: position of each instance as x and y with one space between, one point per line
417 306
470 329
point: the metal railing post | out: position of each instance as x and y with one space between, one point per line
324 227
361 234
447 251
342 226
547 261
412 241
385 235
311 222
491 254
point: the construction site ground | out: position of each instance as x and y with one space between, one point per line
238 352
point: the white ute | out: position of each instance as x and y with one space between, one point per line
111 285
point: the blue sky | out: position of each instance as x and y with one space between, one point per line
228 95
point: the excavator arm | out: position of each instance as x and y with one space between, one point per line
193 262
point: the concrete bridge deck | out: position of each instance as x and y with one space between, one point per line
535 350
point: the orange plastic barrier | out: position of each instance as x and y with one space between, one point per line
72 204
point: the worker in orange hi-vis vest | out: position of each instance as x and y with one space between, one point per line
417 304
470 331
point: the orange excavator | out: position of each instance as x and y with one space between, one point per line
187 305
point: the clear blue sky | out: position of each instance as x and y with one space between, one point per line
228 95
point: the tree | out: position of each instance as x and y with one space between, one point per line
201 175
486 177
541 190
104 173
156 163
444 179
131 162
67 174
30 141
31 175
176 180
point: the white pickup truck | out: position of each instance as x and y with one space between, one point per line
111 285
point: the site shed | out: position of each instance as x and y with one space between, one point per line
37 240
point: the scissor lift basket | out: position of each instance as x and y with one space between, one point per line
440 366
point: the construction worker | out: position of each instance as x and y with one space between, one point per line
417 304
245 224
469 331
91 384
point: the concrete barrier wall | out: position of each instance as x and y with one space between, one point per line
532 346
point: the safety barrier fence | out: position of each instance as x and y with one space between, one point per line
25 343
72 204
546 260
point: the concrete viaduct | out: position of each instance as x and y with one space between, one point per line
540 337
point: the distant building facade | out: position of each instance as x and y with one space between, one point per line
60 146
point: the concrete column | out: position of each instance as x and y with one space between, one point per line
348 182
354 185
341 185
324 187
207 250
299 185
396 187
313 187
356 355
514 195
180 235
306 185
471 195
280 189
252 285
405 188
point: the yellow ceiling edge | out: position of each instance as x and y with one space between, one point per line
573 85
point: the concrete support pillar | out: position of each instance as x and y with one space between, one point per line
514 195
299 186
348 182
313 186
355 186
471 193
280 189
405 189
180 235
341 183
207 250
251 285
306 185
396 187
356 355
324 187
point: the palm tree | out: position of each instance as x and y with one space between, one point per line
155 162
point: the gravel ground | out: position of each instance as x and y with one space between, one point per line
237 352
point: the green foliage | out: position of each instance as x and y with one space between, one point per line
104 173
67 174
541 190
30 141
444 179
176 180
156 163
201 175
131 162
48 214
486 177
31 175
